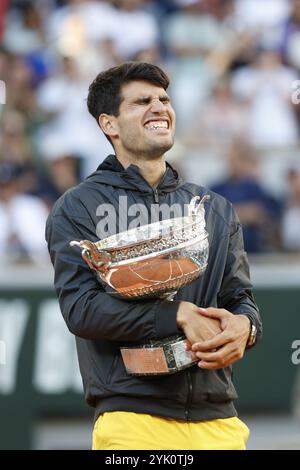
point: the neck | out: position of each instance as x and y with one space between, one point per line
151 170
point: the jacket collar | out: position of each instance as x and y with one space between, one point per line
111 171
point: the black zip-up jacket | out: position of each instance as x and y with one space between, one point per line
102 323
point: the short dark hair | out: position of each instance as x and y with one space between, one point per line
105 91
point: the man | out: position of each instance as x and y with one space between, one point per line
191 408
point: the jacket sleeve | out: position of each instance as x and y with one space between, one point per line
236 293
88 310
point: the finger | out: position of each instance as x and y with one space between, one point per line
209 365
194 357
217 364
188 348
216 342
218 356
211 312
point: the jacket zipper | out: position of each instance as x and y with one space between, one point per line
155 194
189 377
189 396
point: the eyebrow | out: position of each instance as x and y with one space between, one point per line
147 99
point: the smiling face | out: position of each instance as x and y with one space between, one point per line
145 125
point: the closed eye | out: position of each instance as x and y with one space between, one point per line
164 99
147 100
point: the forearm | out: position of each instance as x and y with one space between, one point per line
98 315
236 294
88 310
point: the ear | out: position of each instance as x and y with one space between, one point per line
108 124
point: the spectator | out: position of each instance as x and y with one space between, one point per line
291 216
192 36
4 64
25 36
136 28
24 32
260 17
80 23
3 10
209 128
266 87
22 220
258 211
287 36
15 147
20 90
63 169
63 98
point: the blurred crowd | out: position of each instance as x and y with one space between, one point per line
233 64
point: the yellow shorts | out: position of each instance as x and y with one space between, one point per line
122 430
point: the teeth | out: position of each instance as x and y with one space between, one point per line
157 125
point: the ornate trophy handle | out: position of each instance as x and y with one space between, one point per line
98 260
196 205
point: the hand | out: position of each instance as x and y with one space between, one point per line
229 345
196 327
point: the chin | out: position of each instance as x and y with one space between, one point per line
161 147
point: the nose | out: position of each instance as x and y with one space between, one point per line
157 106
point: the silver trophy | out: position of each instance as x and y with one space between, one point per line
153 261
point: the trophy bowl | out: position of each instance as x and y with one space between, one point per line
153 260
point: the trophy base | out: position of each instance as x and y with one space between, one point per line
158 357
